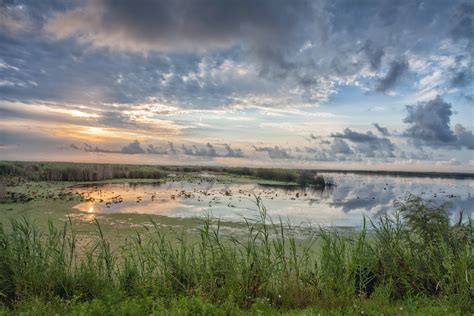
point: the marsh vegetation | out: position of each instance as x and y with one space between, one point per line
415 254
416 258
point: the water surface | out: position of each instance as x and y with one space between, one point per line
344 204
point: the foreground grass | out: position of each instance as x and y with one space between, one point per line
119 303
415 262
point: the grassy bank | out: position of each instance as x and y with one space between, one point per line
412 262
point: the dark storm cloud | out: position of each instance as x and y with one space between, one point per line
382 130
430 125
396 70
275 152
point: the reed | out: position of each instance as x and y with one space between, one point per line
415 253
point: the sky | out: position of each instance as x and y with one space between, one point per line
328 84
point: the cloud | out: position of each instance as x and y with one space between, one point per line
275 152
368 144
187 150
209 54
430 125
152 68
339 146
14 19
171 148
129 149
135 147
461 72
179 25
396 69
152 149
303 49
207 151
464 137
90 149
132 148
374 54
462 32
236 153
75 147
356 137
210 151
116 119
462 21
266 36
382 130
460 78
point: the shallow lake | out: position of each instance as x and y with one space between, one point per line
344 204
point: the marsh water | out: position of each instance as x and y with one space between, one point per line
343 204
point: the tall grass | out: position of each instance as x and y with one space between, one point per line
301 177
44 171
414 253
64 171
